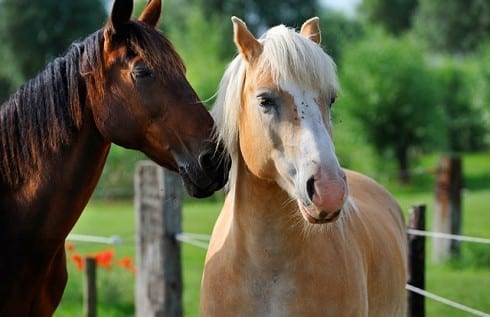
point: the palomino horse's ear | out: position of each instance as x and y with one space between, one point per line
151 14
311 30
248 45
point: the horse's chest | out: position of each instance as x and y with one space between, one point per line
303 293
269 294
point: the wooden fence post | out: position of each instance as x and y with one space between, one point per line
90 289
455 202
447 208
416 262
158 205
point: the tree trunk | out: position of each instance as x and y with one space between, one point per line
403 169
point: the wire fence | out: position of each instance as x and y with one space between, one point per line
448 236
94 239
202 241
446 301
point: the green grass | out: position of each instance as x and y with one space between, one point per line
115 286
466 279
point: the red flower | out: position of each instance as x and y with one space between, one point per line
79 261
104 258
69 247
127 264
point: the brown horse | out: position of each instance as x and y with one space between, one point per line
124 84
298 235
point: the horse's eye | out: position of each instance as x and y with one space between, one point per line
140 72
266 101
332 101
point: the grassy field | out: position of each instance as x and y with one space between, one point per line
465 280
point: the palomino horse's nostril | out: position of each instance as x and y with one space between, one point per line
322 215
310 187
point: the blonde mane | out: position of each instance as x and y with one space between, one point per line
289 57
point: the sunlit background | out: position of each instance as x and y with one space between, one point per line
415 77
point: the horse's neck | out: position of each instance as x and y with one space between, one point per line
265 219
63 186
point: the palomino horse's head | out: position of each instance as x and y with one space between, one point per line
142 100
284 84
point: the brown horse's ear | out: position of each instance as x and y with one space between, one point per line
247 44
120 15
151 13
311 30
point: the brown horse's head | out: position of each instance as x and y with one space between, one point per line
142 100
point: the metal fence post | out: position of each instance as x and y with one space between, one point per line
416 262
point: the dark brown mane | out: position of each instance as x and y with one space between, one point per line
47 111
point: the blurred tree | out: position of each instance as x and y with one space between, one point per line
9 76
455 26
337 31
262 14
390 91
466 124
481 97
117 179
395 16
206 45
4 88
35 32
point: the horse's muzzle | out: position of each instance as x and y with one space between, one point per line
207 174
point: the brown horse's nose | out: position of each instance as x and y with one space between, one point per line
208 173
208 159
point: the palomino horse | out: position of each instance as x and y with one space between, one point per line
123 84
298 235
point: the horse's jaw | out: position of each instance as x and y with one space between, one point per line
309 214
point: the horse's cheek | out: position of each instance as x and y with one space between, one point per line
113 125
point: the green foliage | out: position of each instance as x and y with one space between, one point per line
453 26
337 31
200 41
117 177
389 90
481 90
260 14
466 122
34 32
5 88
395 16
9 76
